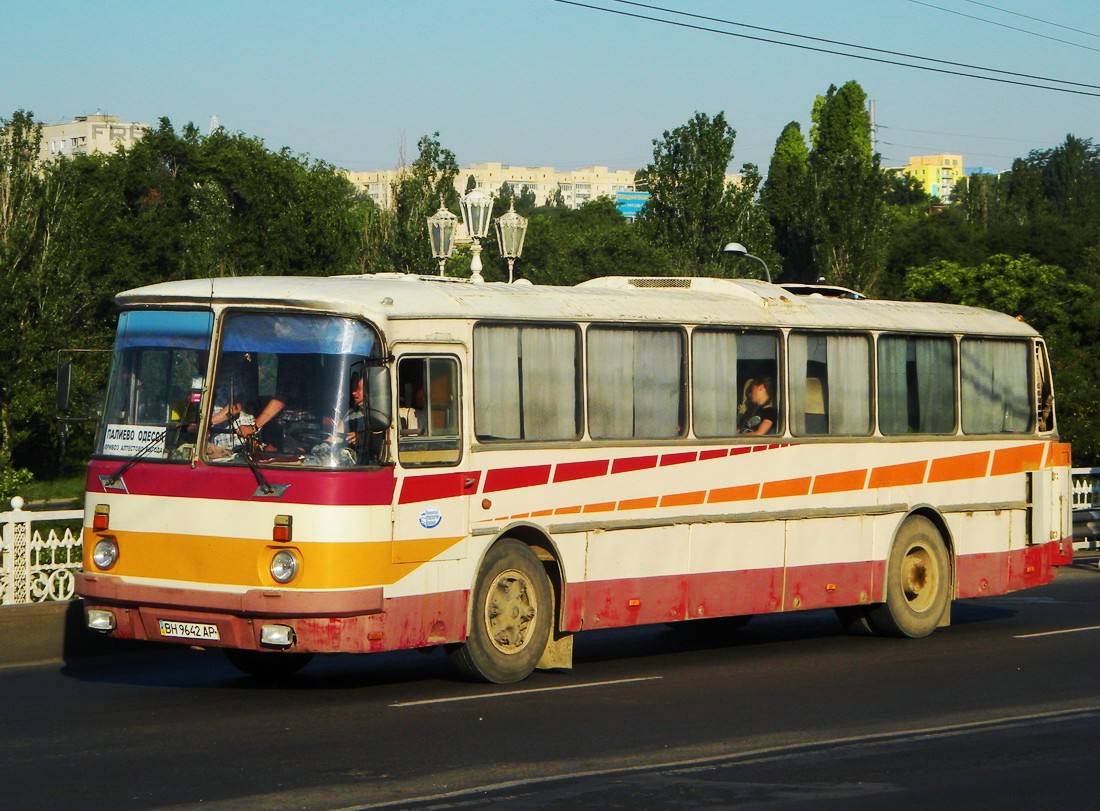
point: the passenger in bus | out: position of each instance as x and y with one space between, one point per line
354 421
225 428
758 414
411 411
289 390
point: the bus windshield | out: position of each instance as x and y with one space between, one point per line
156 384
298 389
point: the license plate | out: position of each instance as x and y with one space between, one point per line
189 630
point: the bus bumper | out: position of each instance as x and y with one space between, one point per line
349 620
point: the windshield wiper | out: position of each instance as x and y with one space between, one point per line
113 479
267 488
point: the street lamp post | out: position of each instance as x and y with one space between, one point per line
441 231
511 228
477 210
737 249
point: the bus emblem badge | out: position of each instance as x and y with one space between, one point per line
430 518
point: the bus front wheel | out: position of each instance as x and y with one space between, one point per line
918 582
511 616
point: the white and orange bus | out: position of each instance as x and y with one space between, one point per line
290 466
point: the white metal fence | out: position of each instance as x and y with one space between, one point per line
39 552
1086 506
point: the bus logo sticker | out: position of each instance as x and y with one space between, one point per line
430 518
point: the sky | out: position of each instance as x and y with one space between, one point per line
546 83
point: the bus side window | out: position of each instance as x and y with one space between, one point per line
428 407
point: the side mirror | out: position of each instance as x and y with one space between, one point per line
64 385
379 397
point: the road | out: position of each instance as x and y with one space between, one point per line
1002 709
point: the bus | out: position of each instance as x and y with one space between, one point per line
291 466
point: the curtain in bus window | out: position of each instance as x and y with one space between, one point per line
549 383
798 358
496 382
849 375
634 383
935 385
714 383
995 396
525 382
893 386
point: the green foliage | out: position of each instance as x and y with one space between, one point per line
13 482
692 211
786 197
417 195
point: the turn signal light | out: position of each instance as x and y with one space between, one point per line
101 520
280 533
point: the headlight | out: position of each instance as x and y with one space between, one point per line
105 554
284 566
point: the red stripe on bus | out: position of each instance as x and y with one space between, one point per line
953 468
237 483
678 458
633 463
434 486
571 471
740 450
513 478
718 454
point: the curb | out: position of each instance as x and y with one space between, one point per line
39 633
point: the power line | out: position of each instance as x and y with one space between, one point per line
1003 25
860 57
843 44
1033 19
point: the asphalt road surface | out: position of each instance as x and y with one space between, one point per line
1001 710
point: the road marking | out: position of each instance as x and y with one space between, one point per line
752 756
1055 633
505 693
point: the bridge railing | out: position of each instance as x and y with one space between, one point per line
1086 506
40 551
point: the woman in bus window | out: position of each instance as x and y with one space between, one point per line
757 410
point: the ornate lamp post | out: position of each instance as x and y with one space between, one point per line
737 249
441 231
477 210
511 228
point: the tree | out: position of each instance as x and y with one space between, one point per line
46 296
786 197
417 194
692 211
850 225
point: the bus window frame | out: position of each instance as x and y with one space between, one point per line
414 443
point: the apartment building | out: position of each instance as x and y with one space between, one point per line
938 174
576 186
87 135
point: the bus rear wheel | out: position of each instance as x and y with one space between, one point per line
511 616
267 665
918 582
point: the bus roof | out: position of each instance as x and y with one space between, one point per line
690 300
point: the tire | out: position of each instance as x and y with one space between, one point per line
511 615
918 582
270 666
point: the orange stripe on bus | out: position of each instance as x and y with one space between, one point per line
898 475
953 468
786 487
744 492
1059 454
684 499
1015 460
603 507
638 503
840 482
541 513
567 510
